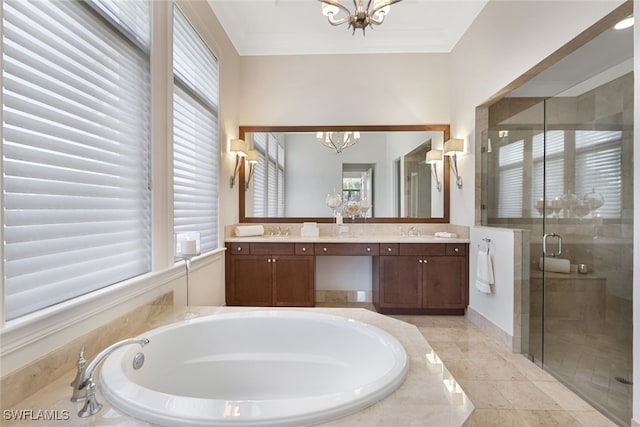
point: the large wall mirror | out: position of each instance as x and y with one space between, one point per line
381 169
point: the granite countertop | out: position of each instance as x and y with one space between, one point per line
428 396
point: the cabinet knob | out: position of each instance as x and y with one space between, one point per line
420 261
239 249
268 259
368 249
388 249
273 260
456 250
324 249
304 249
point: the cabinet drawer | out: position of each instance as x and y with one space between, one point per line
240 249
389 248
272 249
370 249
456 249
422 249
304 248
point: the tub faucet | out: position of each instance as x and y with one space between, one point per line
84 387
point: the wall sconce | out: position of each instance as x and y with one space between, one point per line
252 158
239 147
433 158
451 148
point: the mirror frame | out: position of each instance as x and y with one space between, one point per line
382 128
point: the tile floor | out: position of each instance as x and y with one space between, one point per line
506 389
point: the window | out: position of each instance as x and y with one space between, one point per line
510 163
599 168
553 146
268 176
563 163
196 148
76 198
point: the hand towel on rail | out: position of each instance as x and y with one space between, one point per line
484 272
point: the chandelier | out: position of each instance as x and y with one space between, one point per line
362 17
339 141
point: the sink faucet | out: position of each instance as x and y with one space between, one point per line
413 232
278 231
84 387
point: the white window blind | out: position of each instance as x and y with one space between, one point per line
269 173
510 158
76 197
196 146
599 168
553 170
260 176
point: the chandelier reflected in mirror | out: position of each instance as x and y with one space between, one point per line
362 17
338 141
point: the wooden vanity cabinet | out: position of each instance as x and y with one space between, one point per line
269 274
421 278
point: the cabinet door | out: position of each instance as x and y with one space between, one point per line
400 282
444 282
293 281
250 282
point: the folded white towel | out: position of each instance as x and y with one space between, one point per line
484 273
556 265
445 234
249 230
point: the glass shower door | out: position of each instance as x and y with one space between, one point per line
587 247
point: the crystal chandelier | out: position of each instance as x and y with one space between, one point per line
362 17
340 141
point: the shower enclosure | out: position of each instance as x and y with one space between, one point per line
557 161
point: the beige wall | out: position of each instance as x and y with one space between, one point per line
345 89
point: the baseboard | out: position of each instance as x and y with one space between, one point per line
500 337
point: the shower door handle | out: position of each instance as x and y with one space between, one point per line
544 244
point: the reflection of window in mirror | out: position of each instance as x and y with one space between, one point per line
268 177
357 185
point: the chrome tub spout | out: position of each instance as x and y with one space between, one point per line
84 386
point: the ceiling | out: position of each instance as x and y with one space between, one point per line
298 27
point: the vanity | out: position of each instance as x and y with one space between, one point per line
410 275
301 171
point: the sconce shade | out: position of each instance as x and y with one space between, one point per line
239 147
433 156
253 156
453 146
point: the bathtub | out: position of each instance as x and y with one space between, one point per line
255 368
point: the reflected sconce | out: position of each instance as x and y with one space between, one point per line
252 158
451 148
433 158
239 147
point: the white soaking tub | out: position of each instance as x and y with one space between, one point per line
255 368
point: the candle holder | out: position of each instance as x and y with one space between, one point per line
187 247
